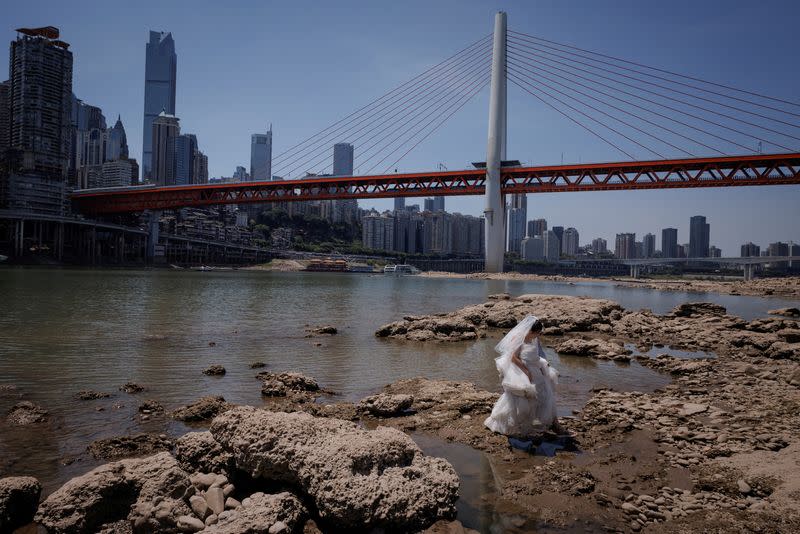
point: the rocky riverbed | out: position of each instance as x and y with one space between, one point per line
715 450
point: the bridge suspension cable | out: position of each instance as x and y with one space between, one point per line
372 121
527 54
401 88
568 80
531 63
387 126
534 44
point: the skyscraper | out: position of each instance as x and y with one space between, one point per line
344 210
40 101
552 247
160 72
185 147
599 246
669 243
516 229
648 246
625 246
571 242
5 119
342 159
517 221
559 231
699 237
537 227
165 127
750 250
399 203
261 156
438 203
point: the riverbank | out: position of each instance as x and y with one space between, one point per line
716 449
786 287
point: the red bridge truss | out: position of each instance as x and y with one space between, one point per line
765 169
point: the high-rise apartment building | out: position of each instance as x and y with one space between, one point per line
261 156
343 159
571 242
516 228
185 150
240 174
750 250
552 246
714 252
699 236
625 246
40 101
5 118
669 243
345 210
166 127
533 248
559 231
599 246
537 227
648 246
160 75
399 203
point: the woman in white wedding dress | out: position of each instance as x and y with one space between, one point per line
528 403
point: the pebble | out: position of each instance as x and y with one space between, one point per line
187 523
744 487
203 480
227 490
230 502
629 508
246 502
215 499
211 520
278 527
636 526
199 506
220 480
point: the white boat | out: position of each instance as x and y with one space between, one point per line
400 270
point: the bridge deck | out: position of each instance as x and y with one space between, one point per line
733 171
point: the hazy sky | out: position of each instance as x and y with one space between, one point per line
303 65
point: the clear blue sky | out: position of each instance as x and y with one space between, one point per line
302 65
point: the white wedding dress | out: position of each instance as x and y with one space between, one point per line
526 407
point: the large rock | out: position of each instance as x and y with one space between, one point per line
786 312
357 479
444 395
199 451
148 491
19 497
557 313
26 413
202 410
122 446
281 384
596 348
689 309
386 404
282 512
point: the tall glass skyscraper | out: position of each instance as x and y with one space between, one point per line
159 90
699 232
261 157
342 159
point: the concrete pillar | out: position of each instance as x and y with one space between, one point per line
152 237
494 209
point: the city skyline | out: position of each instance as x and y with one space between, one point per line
115 86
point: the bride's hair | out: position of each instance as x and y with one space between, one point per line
537 326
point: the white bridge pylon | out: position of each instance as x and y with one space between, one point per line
494 210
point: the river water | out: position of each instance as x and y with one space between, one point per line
65 330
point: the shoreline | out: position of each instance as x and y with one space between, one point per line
783 287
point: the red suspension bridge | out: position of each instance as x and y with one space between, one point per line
633 108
